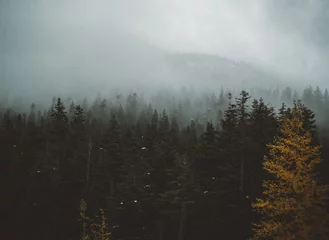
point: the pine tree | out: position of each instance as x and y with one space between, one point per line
263 127
78 146
243 119
59 114
71 109
208 158
228 141
179 193
32 115
154 121
292 206
56 136
164 122
131 108
192 138
174 133
229 121
308 118
78 115
108 172
103 108
284 112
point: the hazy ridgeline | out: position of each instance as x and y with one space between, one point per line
205 104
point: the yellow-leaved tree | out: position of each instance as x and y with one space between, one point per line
93 229
293 202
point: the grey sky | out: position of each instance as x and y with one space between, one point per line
283 34
78 39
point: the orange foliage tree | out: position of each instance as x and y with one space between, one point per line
293 202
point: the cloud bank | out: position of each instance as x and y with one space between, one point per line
71 41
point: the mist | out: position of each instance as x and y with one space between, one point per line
164 119
84 47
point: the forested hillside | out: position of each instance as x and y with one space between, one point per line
173 166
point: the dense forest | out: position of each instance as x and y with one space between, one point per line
185 166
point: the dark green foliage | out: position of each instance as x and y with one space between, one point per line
58 112
156 174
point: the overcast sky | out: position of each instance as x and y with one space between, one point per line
290 36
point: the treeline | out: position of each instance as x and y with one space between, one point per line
155 173
185 103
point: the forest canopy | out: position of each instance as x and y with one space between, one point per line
175 167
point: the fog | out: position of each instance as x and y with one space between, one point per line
83 47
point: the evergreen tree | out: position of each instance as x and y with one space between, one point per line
58 113
131 109
78 115
71 109
154 121
157 176
164 122
56 134
108 173
284 112
243 118
180 194
32 115
292 206
79 147
263 127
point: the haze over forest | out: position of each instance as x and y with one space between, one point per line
83 47
164 119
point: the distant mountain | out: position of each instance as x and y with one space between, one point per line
85 61
212 69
